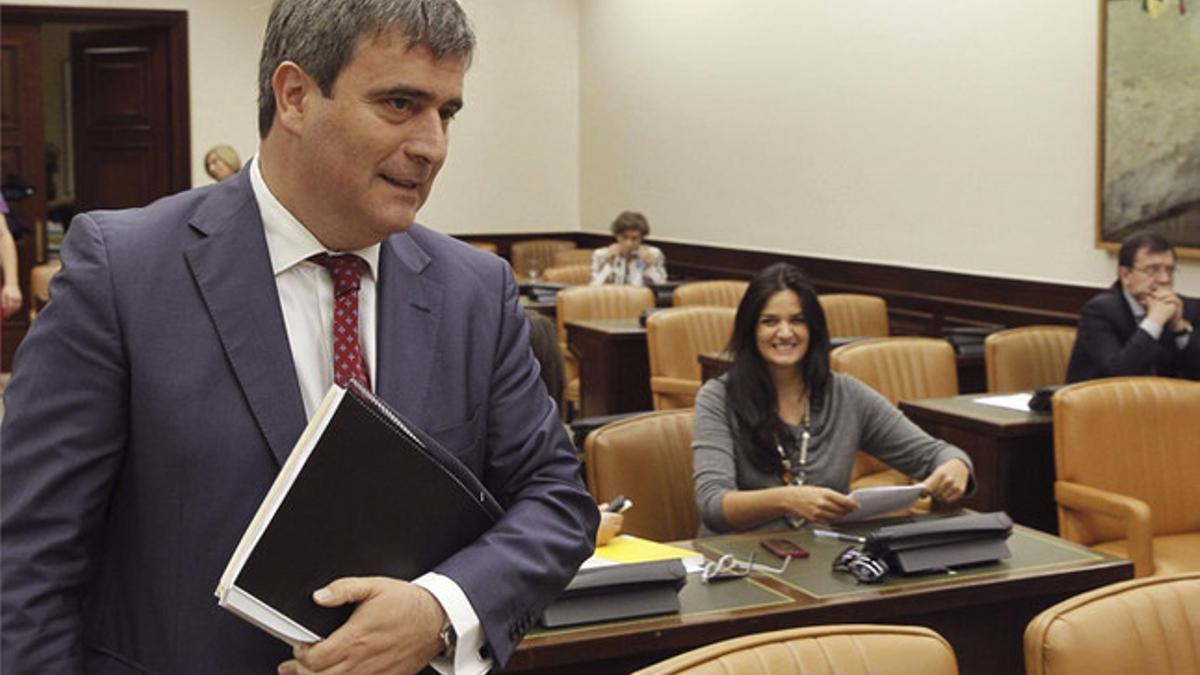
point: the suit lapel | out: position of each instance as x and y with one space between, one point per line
1129 324
408 321
232 269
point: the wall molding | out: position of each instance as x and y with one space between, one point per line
920 302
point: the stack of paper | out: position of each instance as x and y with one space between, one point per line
626 548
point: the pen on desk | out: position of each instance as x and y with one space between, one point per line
839 536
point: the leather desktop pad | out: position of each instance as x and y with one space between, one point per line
815 577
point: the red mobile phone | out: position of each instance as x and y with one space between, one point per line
784 548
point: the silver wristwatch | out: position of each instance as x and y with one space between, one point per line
448 638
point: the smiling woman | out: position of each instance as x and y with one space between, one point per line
775 437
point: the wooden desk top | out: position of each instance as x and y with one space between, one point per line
963 411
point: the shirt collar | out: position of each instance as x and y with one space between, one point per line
288 240
1139 312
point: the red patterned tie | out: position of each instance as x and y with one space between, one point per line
346 271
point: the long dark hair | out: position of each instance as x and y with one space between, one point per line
751 400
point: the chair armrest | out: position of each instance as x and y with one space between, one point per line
673 385
1133 513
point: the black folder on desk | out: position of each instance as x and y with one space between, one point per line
363 493
942 543
620 591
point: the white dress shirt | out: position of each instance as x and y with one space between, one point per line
306 298
628 271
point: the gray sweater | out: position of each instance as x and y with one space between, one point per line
854 417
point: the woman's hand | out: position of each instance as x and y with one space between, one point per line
816 503
948 482
610 525
10 299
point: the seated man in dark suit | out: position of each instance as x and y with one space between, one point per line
1140 325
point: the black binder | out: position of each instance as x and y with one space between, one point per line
363 493
618 592
942 543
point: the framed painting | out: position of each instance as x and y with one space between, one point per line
1148 155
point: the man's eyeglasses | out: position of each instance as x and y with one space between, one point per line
866 568
729 567
1156 271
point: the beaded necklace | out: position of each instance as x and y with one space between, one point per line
795 475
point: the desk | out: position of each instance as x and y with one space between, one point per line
713 365
614 366
546 307
981 611
1013 452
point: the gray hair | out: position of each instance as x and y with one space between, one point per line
320 36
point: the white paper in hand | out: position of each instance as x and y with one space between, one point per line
876 501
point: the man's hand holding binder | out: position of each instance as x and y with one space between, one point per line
395 628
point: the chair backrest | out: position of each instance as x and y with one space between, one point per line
901 369
1028 357
573 256
1149 626
854 315
647 458
485 246
1135 436
675 339
849 648
576 275
536 254
716 293
582 303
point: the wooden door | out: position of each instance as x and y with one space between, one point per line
123 153
22 158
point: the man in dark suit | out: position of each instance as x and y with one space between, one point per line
1139 326
187 342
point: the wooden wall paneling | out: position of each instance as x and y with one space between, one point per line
920 302
21 155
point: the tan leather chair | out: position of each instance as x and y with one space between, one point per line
647 458
581 303
854 315
900 368
1127 459
576 275
485 246
850 648
573 256
1146 626
717 293
675 339
39 285
1025 358
536 254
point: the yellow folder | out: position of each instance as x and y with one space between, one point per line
626 548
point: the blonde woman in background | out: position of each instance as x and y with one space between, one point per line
221 162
